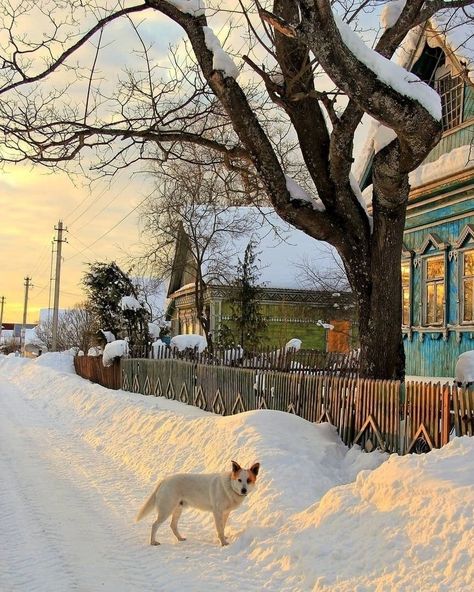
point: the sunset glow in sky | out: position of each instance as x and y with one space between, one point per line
32 201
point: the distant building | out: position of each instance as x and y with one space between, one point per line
11 334
438 257
290 309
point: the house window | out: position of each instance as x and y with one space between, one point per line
434 290
451 90
406 271
468 286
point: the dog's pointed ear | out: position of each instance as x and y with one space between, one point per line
235 466
255 468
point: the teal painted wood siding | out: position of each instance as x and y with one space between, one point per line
435 356
450 142
433 351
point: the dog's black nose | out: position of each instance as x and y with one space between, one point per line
244 490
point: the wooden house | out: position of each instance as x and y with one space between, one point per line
438 256
289 307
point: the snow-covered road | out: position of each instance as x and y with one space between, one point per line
67 512
78 460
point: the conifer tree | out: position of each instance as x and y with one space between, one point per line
249 323
106 284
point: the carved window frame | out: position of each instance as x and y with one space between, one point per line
424 254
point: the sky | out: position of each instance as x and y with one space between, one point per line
32 202
102 222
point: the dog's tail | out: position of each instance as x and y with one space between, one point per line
148 505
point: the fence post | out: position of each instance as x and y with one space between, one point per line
445 415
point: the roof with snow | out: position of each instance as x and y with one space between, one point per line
280 250
453 33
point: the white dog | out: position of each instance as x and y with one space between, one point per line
219 493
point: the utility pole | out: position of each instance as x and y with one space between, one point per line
2 302
25 312
51 278
57 282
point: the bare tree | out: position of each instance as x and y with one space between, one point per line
190 225
315 276
76 328
294 49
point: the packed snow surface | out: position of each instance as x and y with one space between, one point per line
115 349
78 460
464 371
192 341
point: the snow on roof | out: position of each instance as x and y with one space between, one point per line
280 248
390 73
459 159
454 33
457 31
46 314
6 336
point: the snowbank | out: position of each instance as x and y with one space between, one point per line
405 526
323 518
59 361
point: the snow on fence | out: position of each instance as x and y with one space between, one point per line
384 414
269 358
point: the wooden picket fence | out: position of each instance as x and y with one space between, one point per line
91 367
266 358
382 414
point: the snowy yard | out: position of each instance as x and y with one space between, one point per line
78 460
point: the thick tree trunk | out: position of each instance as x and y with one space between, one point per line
380 302
381 347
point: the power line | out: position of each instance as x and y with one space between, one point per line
110 229
91 195
105 207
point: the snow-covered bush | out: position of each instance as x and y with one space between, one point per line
116 349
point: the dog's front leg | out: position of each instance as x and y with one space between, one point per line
220 524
